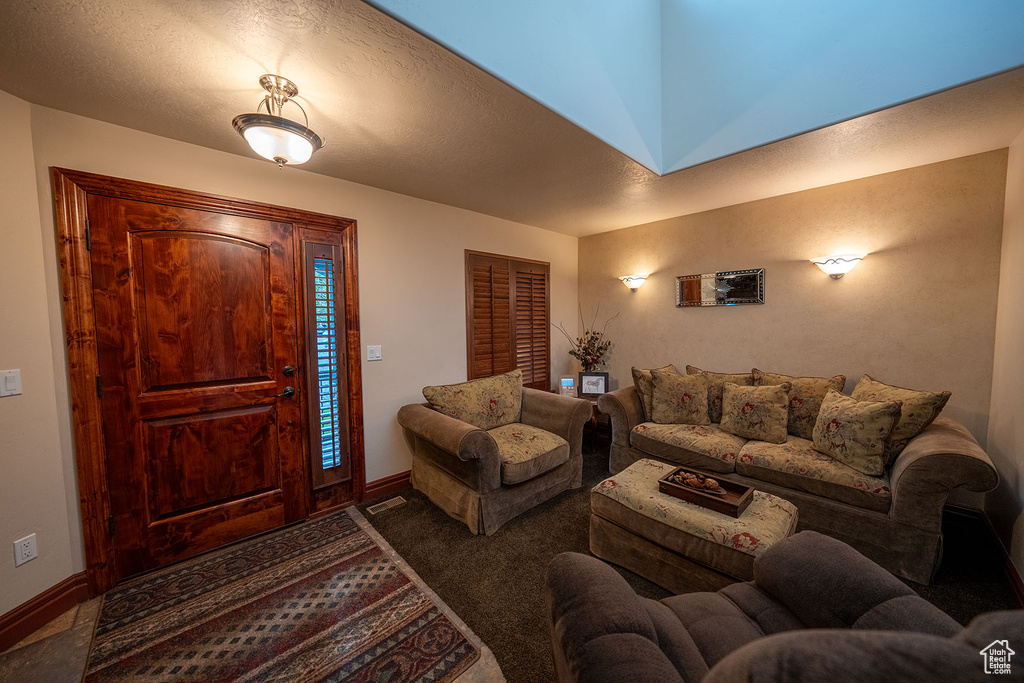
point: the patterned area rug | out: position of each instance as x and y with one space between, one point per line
324 600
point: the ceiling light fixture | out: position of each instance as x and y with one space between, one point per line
837 266
633 281
271 135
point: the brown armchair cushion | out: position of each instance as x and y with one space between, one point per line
527 452
484 403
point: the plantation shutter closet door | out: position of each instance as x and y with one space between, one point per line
187 359
507 318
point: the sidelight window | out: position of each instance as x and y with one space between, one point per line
325 325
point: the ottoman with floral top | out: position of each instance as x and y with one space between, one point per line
678 545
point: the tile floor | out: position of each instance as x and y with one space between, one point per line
56 653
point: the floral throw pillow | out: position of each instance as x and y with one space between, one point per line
679 399
854 432
755 412
920 408
484 403
643 380
804 398
715 382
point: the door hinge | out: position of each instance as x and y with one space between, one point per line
88 235
111 525
99 387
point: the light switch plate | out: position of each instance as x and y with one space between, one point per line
10 382
373 352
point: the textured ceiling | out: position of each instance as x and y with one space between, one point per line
401 113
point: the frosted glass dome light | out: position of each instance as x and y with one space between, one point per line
273 136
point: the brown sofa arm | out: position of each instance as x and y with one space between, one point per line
626 411
941 458
455 438
557 414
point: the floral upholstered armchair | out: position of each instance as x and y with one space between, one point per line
489 449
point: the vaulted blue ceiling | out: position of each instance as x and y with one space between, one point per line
675 83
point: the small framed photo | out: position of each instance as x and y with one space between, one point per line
593 384
567 386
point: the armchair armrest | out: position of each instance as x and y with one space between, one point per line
456 439
557 414
939 459
626 411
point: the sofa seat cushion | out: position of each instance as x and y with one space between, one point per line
706 447
796 465
527 452
631 500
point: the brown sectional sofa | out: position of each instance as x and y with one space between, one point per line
895 519
816 611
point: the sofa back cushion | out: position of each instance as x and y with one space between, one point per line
919 409
856 433
484 403
715 382
643 380
679 399
755 412
804 398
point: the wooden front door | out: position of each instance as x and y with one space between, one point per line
195 319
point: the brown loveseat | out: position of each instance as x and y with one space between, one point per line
894 518
816 611
514 448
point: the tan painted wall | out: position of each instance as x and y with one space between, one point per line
918 312
31 473
1006 419
412 302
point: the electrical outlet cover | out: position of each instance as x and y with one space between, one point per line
24 550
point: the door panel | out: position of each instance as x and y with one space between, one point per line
201 460
203 308
195 321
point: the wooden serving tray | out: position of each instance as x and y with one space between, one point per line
736 499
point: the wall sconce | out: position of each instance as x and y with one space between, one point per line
837 266
633 281
271 135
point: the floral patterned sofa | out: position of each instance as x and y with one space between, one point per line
872 469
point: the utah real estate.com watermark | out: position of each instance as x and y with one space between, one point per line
997 657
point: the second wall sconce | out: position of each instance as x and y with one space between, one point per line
837 266
633 281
